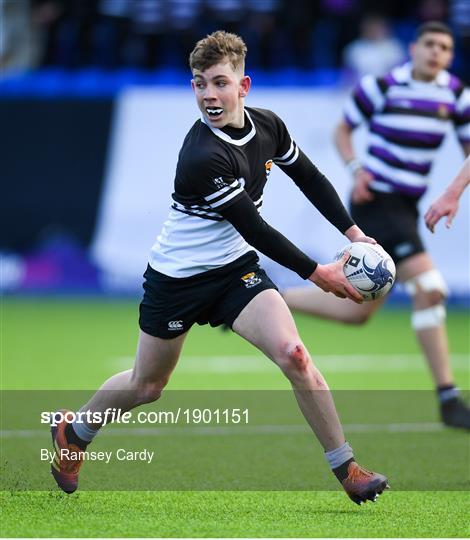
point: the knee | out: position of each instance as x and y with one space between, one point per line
427 299
428 312
293 358
148 392
427 289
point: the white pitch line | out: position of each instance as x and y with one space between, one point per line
262 429
377 363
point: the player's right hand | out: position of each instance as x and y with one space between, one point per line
360 193
331 278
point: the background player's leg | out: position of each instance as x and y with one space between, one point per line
155 360
428 290
267 323
431 334
314 301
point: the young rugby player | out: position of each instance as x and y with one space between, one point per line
203 267
407 113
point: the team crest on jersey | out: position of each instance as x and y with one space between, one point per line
219 182
268 166
251 280
443 111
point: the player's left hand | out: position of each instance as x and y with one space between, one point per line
445 205
355 234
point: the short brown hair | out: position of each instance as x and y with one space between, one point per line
435 27
218 47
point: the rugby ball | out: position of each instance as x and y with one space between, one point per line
369 269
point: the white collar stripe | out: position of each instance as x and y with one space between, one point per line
237 142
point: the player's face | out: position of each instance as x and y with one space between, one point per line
220 91
431 53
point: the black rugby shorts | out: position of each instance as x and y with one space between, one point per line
170 306
392 219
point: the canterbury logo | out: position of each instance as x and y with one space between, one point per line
175 325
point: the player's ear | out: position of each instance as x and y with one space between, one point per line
245 85
193 85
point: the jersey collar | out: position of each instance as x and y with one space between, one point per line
404 74
225 137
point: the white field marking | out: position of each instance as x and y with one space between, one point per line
262 429
348 363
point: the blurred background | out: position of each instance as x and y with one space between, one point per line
95 102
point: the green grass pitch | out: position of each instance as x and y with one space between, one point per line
76 344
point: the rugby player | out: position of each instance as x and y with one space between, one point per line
407 114
203 267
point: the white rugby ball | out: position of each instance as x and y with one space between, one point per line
370 269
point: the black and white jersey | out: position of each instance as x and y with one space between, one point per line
216 167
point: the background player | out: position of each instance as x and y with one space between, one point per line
407 113
203 269
448 203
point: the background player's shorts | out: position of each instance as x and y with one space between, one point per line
170 306
392 219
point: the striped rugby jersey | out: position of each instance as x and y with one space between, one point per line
407 122
215 167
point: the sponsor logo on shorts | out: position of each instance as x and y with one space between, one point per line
175 325
403 249
251 280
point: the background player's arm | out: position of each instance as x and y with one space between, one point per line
244 216
448 203
343 140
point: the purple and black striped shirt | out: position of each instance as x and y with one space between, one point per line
407 122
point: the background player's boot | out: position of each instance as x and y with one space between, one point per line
64 469
455 413
362 485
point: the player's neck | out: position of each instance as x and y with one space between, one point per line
421 77
240 121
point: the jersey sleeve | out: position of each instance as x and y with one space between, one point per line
287 150
462 117
366 99
213 178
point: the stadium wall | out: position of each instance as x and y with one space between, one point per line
53 165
